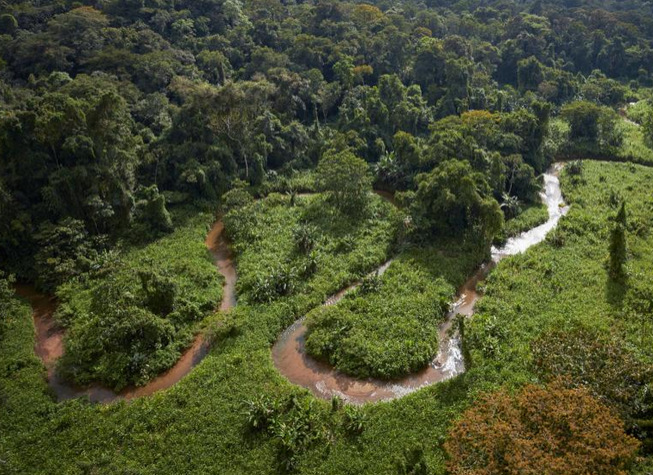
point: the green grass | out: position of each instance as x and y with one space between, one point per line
199 425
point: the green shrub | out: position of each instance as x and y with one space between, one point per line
355 419
151 217
261 412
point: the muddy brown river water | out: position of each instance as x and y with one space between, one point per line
49 337
324 381
288 352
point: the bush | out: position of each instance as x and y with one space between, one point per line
355 419
236 198
278 283
305 237
575 168
151 218
550 430
296 423
261 412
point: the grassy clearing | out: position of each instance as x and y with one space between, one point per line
200 426
564 282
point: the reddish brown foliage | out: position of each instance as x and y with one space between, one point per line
552 430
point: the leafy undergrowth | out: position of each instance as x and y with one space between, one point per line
302 181
638 111
634 148
200 425
388 327
302 249
130 319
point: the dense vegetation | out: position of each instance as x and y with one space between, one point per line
519 320
126 126
304 248
129 319
388 327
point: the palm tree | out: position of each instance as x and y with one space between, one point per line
510 205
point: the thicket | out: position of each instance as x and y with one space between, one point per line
131 316
152 434
287 249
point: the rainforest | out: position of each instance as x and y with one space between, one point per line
389 237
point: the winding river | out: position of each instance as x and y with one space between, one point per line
49 337
324 381
288 352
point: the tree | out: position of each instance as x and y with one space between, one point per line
65 251
345 177
583 118
344 71
593 124
151 218
452 199
529 74
618 250
551 430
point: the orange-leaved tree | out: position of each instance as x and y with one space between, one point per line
550 430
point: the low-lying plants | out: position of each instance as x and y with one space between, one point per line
387 327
